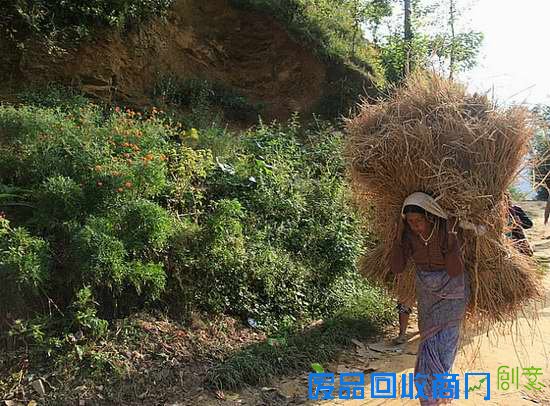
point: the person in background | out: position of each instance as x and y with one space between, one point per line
404 311
518 222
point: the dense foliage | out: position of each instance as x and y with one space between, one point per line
57 22
106 213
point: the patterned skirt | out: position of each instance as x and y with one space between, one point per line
441 302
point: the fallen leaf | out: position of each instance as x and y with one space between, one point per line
317 368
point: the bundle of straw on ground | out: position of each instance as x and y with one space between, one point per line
432 136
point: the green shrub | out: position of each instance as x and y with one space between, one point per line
188 169
25 264
279 240
148 280
54 96
57 23
101 254
144 225
24 259
122 156
138 211
105 264
90 179
202 96
59 197
85 314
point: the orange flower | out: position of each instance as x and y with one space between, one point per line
120 190
128 185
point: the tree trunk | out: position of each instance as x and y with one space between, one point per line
452 58
408 37
356 27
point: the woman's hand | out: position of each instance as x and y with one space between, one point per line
452 224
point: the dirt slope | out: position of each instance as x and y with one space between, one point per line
247 51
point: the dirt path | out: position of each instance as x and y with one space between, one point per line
526 344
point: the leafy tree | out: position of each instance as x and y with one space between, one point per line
454 51
369 13
428 38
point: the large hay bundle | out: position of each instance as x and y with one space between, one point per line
432 136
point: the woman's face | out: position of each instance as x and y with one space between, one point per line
418 223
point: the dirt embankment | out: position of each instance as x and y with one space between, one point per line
249 52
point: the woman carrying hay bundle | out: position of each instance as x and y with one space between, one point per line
431 135
428 237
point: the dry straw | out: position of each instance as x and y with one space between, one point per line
432 136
